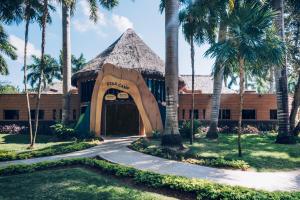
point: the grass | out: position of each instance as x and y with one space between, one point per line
70 183
259 151
14 147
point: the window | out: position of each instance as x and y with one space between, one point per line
273 114
41 114
74 114
249 114
54 114
224 114
86 91
183 113
11 114
60 114
204 112
196 114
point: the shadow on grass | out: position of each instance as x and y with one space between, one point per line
25 139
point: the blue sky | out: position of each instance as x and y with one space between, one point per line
91 39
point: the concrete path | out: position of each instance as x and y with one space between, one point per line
115 150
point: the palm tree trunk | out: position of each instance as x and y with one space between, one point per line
295 105
284 135
66 62
171 134
193 88
44 23
218 83
25 76
242 82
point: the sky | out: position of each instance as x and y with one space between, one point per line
91 39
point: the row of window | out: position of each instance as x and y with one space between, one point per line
225 114
14 114
157 87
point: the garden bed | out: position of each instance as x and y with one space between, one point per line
260 153
14 147
202 189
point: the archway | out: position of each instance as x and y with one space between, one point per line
131 82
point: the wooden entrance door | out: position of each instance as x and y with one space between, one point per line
121 118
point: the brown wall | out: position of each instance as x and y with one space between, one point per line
48 103
261 103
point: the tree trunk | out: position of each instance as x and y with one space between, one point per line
171 134
295 105
66 62
38 97
284 135
216 96
242 80
25 74
193 88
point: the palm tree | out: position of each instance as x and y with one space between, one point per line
248 43
171 135
42 67
67 7
51 71
284 134
77 63
7 49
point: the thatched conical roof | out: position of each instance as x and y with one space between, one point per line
128 51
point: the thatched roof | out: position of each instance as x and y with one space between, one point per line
128 51
57 88
203 84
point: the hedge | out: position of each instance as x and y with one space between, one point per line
202 188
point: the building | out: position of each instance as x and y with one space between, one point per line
122 91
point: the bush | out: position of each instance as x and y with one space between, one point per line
13 129
156 134
185 128
63 132
247 130
203 189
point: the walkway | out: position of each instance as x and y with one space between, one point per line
115 150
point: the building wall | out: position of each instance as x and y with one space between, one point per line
49 102
262 103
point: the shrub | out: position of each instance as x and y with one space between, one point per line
156 134
203 189
248 130
13 129
63 132
185 128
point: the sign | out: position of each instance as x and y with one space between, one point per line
110 97
119 85
123 95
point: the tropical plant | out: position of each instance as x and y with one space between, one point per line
198 26
8 89
51 71
77 63
284 135
68 7
7 49
171 135
249 43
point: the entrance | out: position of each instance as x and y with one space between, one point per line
120 116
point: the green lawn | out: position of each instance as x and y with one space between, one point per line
259 151
70 183
14 147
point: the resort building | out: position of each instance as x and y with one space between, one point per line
122 91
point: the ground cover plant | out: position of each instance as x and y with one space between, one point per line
260 152
201 189
14 147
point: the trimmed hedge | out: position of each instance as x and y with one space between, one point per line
201 188
144 146
48 151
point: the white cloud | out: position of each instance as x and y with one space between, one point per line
121 23
84 24
19 44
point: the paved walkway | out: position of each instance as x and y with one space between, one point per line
115 150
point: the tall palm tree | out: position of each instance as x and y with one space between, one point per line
7 49
67 8
171 135
284 134
38 96
198 25
51 71
248 43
